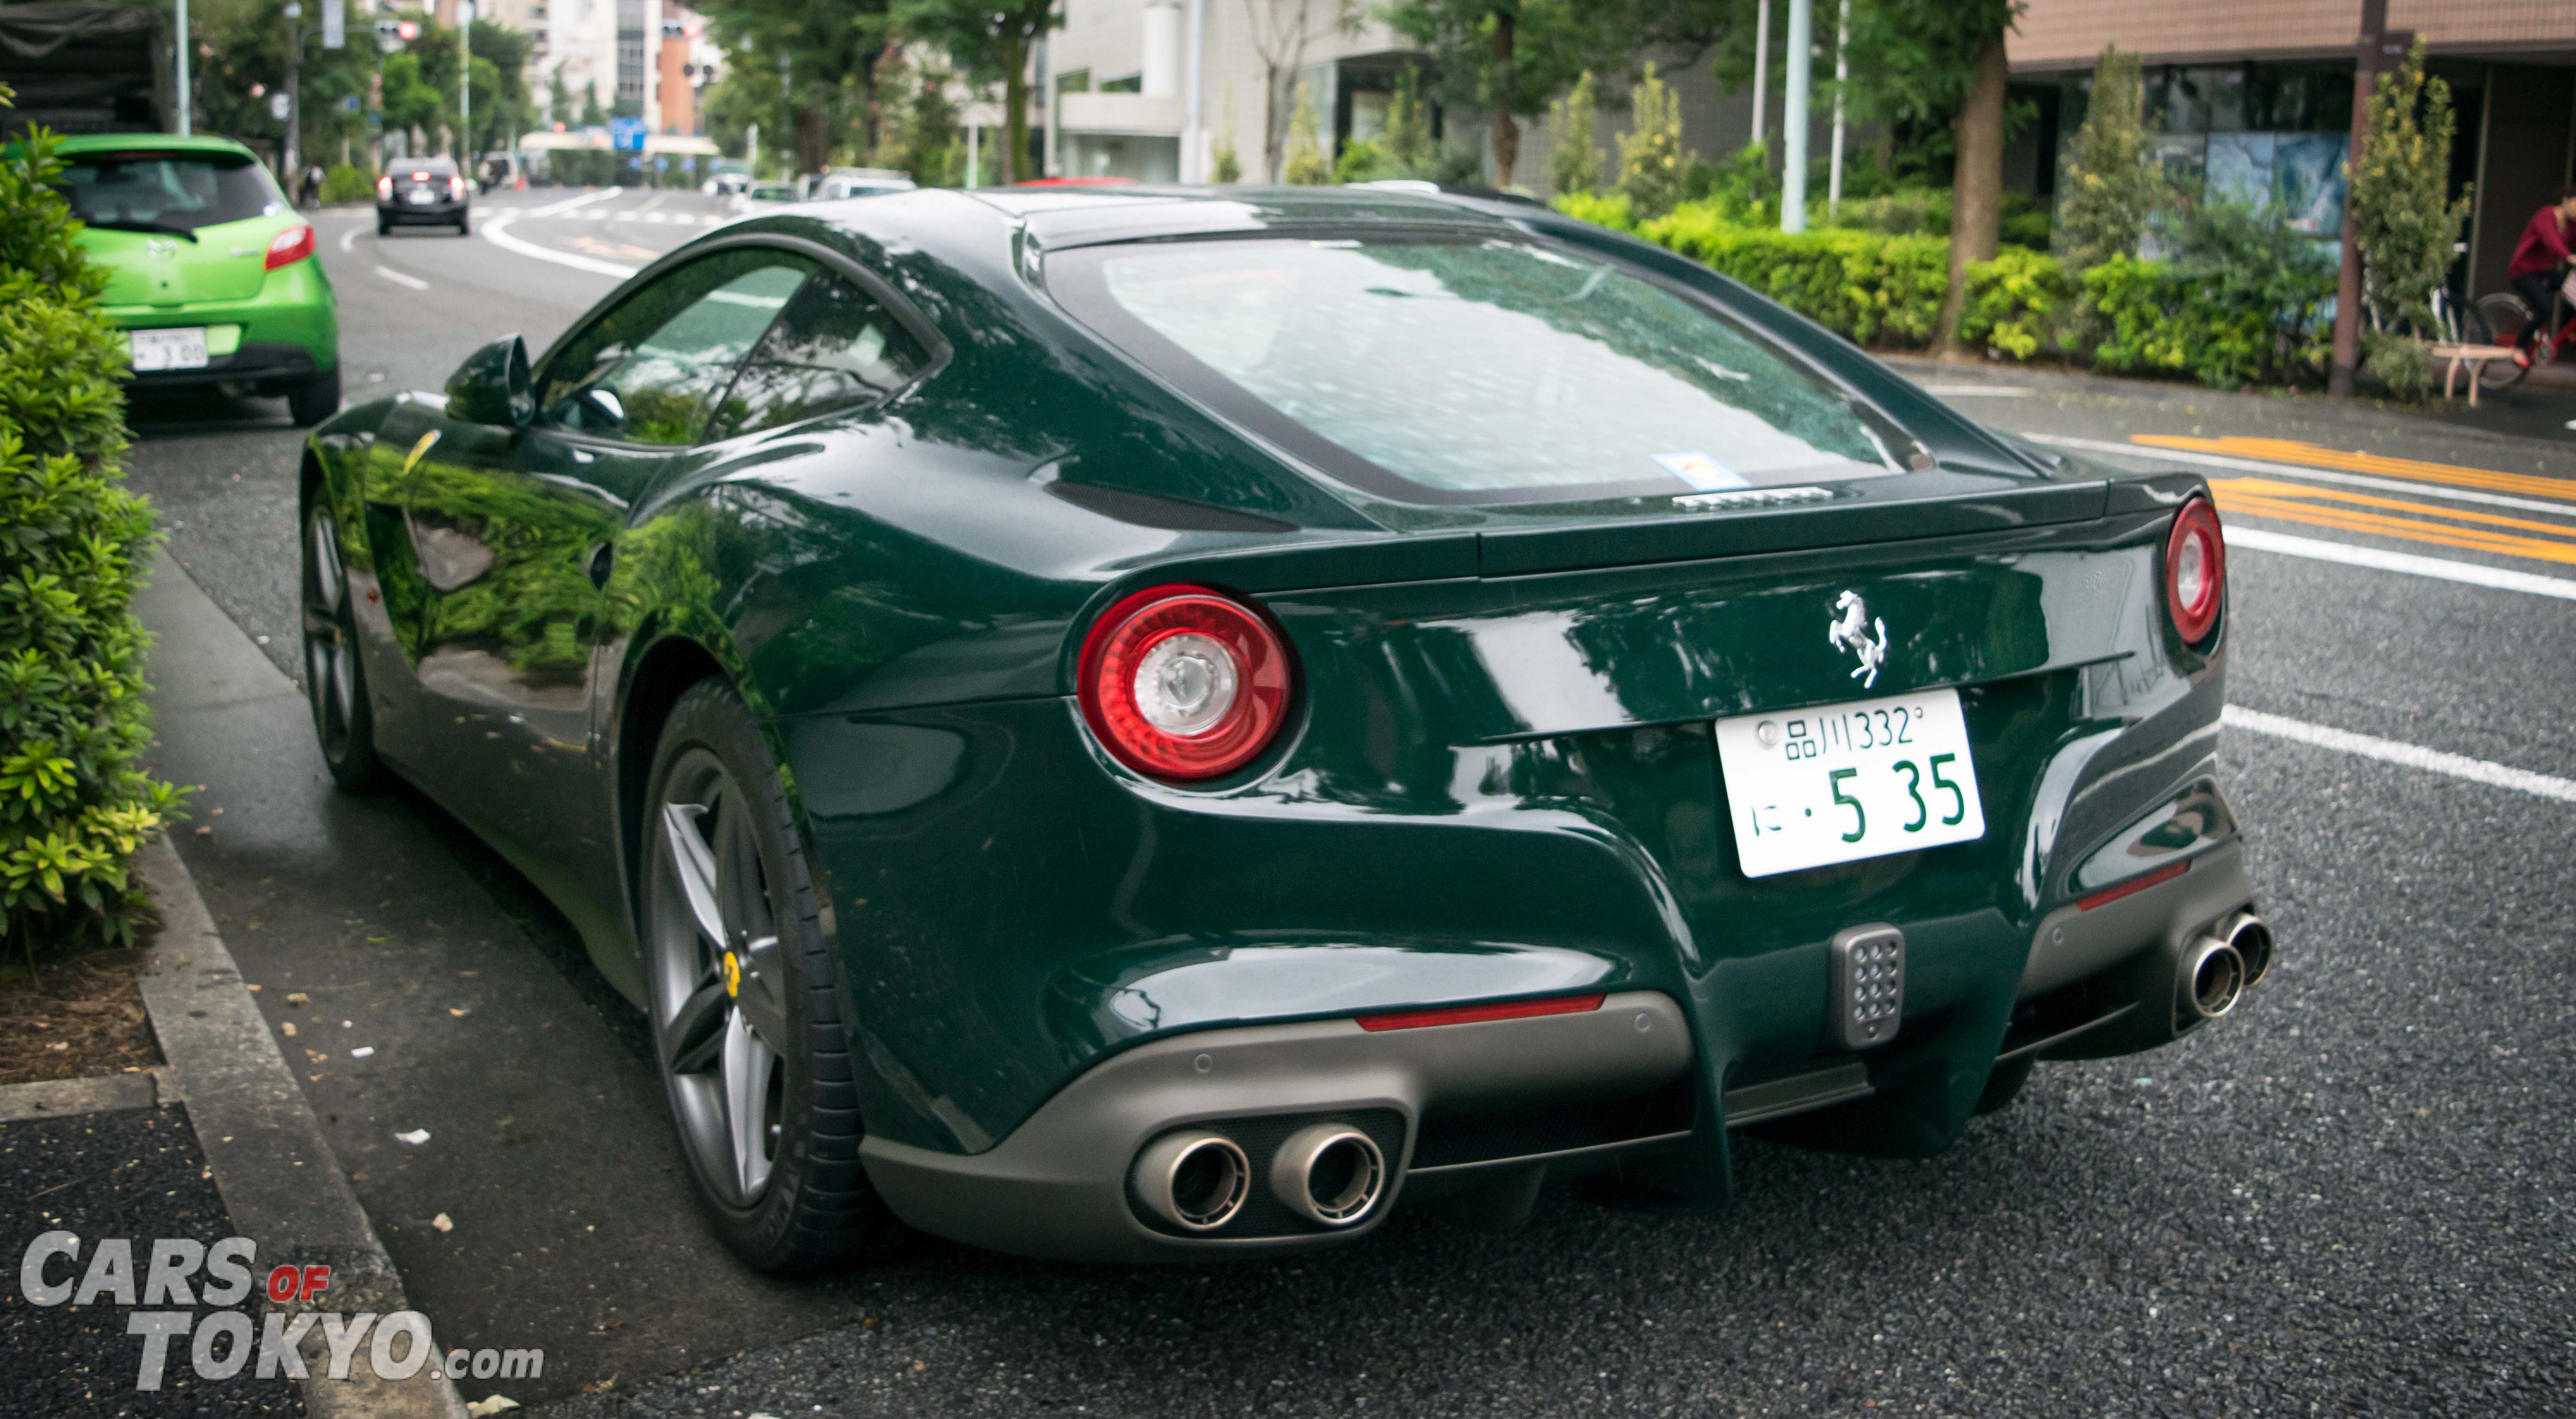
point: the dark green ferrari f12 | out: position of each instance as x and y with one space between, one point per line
1153 725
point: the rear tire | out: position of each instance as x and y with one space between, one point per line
461 228
315 398
383 227
335 682
745 1013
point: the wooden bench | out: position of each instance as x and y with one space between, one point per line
2473 356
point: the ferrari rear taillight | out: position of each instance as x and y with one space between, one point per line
2195 569
1182 682
289 246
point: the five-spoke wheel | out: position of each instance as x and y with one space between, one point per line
334 682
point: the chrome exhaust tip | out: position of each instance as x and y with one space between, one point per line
2252 938
2212 978
1194 1179
1329 1173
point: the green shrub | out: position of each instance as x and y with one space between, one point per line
2402 216
73 718
1920 211
344 183
2237 305
1361 162
1609 209
2402 363
1308 163
1224 163
1574 164
2110 185
2014 303
1652 165
1875 289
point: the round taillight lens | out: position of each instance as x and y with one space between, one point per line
1184 683
2195 569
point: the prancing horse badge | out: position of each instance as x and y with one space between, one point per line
1856 631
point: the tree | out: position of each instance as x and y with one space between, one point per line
1574 164
1281 30
1408 148
2401 208
1942 61
1224 165
825 54
1651 161
1307 165
558 98
989 41
2110 186
592 115
917 125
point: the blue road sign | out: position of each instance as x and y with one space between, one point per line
626 135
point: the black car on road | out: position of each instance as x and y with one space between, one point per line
423 192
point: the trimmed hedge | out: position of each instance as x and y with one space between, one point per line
2225 323
73 543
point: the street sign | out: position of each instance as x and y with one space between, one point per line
277 103
335 24
626 135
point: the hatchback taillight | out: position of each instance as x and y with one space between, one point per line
385 185
1182 682
2195 569
289 246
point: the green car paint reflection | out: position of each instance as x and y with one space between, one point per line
1495 779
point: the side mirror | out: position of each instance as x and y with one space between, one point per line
492 386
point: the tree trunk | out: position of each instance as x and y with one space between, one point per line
1274 125
1015 109
1977 192
1507 134
813 140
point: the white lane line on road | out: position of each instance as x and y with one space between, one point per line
2438 568
2146 454
496 230
2390 751
400 279
347 237
569 203
657 201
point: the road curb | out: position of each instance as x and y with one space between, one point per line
279 1180
97 1094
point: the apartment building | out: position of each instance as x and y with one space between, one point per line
2251 100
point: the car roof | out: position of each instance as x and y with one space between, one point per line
422 165
204 143
1064 216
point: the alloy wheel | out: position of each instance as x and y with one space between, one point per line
719 990
330 666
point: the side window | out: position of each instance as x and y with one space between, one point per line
833 348
650 370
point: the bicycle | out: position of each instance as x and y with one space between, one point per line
2501 317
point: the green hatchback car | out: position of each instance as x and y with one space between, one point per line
211 271
1165 724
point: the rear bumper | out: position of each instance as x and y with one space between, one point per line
265 362
1058 1186
289 330
403 213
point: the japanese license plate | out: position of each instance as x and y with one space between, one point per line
183 349
1842 782
420 197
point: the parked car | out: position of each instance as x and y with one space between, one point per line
1138 724
855 182
423 192
211 272
763 198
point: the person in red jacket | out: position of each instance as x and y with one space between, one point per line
2537 258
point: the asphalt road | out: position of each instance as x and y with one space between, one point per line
2352 1197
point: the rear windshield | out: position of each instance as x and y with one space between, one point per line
434 167
1490 371
167 190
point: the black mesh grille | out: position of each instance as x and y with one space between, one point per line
1264 1215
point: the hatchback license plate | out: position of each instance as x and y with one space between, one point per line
167 349
420 197
1812 787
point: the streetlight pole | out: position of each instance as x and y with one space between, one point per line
465 83
1842 79
1793 178
293 146
184 105
1762 76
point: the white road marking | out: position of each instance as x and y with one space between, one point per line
1966 391
347 237
657 216
2438 568
2146 454
658 200
2390 751
400 279
569 203
624 217
496 230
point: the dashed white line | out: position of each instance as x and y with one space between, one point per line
2391 751
569 203
2438 568
400 279
2147 454
347 237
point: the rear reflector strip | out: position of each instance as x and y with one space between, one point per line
1491 1010
2134 884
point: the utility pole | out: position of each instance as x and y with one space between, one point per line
1793 117
292 148
465 84
1842 77
1762 76
185 103
2374 44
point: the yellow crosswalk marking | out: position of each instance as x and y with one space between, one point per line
2269 488
2318 508
2316 456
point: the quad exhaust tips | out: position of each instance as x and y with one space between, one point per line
2217 969
1329 1173
1194 1179
2253 942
